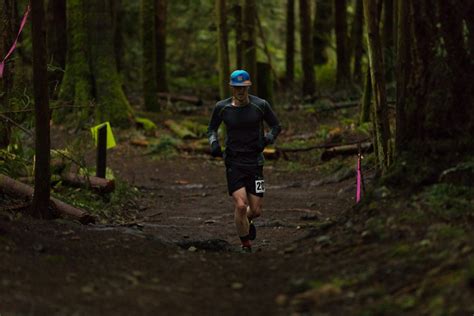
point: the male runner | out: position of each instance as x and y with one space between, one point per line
243 116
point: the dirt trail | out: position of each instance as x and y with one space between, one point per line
180 257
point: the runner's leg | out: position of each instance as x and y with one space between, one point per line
240 211
255 206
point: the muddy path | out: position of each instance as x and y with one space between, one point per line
180 256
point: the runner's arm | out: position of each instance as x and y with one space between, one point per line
273 122
212 135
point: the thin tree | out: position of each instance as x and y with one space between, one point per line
223 49
6 83
307 61
57 36
238 35
380 111
117 26
357 40
290 42
250 41
322 28
388 41
40 206
149 56
161 7
343 72
91 70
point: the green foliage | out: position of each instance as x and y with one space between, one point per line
147 124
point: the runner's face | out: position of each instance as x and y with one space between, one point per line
240 93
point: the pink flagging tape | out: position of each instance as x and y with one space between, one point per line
359 181
22 25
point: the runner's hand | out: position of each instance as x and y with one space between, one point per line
268 140
216 150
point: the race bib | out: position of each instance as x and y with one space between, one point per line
259 186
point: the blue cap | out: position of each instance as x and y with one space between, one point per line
240 78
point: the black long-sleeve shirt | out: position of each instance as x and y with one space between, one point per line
245 139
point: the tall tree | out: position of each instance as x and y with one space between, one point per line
238 34
161 7
91 71
117 23
435 91
249 40
40 206
56 38
380 112
149 56
342 50
223 50
322 28
388 40
6 83
290 42
356 40
307 61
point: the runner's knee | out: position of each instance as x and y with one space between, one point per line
241 208
256 211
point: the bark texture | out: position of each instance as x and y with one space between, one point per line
307 61
223 49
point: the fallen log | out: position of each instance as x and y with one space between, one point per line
13 187
184 98
317 146
346 150
97 184
179 130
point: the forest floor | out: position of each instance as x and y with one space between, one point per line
177 253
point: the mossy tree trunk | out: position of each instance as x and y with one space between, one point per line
117 25
91 70
365 104
343 72
307 61
382 128
250 41
265 81
161 8
149 56
357 40
223 48
322 27
40 205
6 83
290 42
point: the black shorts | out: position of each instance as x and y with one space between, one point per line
249 177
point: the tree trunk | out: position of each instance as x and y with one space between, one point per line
161 7
342 51
309 81
403 62
250 41
238 35
6 83
223 49
382 128
388 39
149 56
357 40
322 27
117 22
91 70
265 82
40 206
290 42
365 105
57 40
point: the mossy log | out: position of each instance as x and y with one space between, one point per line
179 130
99 185
13 187
345 150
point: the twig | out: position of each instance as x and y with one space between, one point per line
9 120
